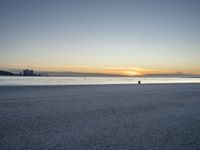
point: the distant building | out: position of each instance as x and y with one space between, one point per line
28 72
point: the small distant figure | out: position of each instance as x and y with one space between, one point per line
139 82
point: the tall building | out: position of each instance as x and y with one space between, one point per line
28 72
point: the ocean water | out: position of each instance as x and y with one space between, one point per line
20 80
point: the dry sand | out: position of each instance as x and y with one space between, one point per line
141 117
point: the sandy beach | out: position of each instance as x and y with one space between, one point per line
89 117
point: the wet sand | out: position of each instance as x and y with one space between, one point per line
89 117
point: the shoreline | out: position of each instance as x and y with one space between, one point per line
117 84
58 81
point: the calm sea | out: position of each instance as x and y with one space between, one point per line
19 81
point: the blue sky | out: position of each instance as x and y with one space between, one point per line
101 36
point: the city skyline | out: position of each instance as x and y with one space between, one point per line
112 37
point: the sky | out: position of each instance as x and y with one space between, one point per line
129 37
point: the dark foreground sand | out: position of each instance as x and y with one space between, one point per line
165 116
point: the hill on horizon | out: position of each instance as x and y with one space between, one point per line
6 73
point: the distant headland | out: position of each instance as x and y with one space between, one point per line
30 72
26 72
